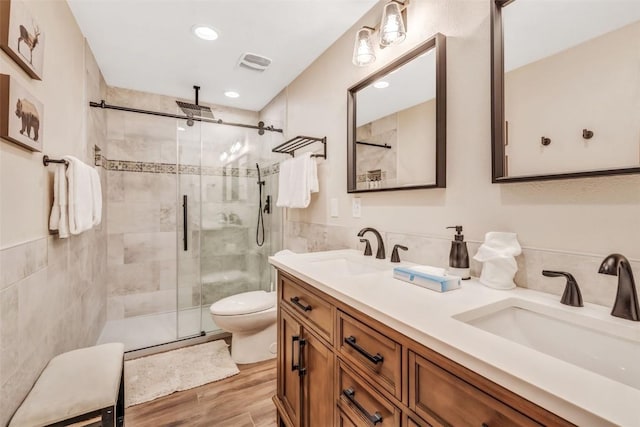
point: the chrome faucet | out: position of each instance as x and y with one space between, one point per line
380 253
626 303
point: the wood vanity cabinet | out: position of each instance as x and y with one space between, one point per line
305 358
337 366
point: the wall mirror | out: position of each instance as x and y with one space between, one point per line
565 88
396 138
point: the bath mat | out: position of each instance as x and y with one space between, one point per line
150 377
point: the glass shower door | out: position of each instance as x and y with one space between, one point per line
231 261
188 173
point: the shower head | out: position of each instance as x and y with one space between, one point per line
195 110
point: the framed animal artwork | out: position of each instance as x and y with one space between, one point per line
21 115
21 37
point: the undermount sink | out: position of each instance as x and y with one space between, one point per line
604 347
348 265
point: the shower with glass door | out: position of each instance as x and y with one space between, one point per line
224 238
187 224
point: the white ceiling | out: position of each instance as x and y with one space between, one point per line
147 45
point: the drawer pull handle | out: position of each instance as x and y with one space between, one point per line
377 358
296 301
350 395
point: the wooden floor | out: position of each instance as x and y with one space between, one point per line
243 400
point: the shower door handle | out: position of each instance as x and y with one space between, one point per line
185 211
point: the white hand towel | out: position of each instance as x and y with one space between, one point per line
312 168
96 191
300 185
298 178
59 219
80 195
284 181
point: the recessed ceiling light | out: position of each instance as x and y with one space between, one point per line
204 32
181 129
381 84
231 94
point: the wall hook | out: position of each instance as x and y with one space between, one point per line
545 141
587 134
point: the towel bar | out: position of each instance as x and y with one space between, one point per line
46 160
290 146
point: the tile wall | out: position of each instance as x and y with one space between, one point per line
596 288
141 202
53 291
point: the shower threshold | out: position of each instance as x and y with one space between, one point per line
140 332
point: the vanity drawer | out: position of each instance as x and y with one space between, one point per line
307 305
360 402
435 392
344 421
379 356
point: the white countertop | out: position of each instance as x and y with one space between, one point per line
574 393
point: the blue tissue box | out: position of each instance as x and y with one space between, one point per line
422 276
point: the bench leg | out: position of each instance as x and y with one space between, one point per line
120 402
108 416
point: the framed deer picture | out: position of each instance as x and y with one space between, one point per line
21 37
21 115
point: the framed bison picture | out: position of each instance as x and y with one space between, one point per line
21 115
21 37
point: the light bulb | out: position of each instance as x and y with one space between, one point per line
392 28
363 53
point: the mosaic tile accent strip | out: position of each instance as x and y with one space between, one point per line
172 168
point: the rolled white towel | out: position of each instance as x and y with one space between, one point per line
80 195
59 219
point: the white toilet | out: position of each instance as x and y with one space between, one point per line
251 319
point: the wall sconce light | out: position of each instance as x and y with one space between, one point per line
363 52
392 28
392 31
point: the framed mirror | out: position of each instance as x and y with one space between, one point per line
565 89
396 138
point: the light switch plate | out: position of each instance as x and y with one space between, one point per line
334 208
356 207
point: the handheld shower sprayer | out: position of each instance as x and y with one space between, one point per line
260 224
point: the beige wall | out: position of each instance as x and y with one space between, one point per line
52 291
597 215
417 147
594 85
23 180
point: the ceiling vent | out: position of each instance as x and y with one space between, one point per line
254 62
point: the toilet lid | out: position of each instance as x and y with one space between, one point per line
244 303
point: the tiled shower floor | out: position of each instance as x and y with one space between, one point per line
145 331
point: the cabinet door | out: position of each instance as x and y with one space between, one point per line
318 362
289 380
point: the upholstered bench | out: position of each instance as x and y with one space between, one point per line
77 386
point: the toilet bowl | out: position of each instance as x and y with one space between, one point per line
251 319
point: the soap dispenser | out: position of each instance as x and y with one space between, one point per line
459 255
